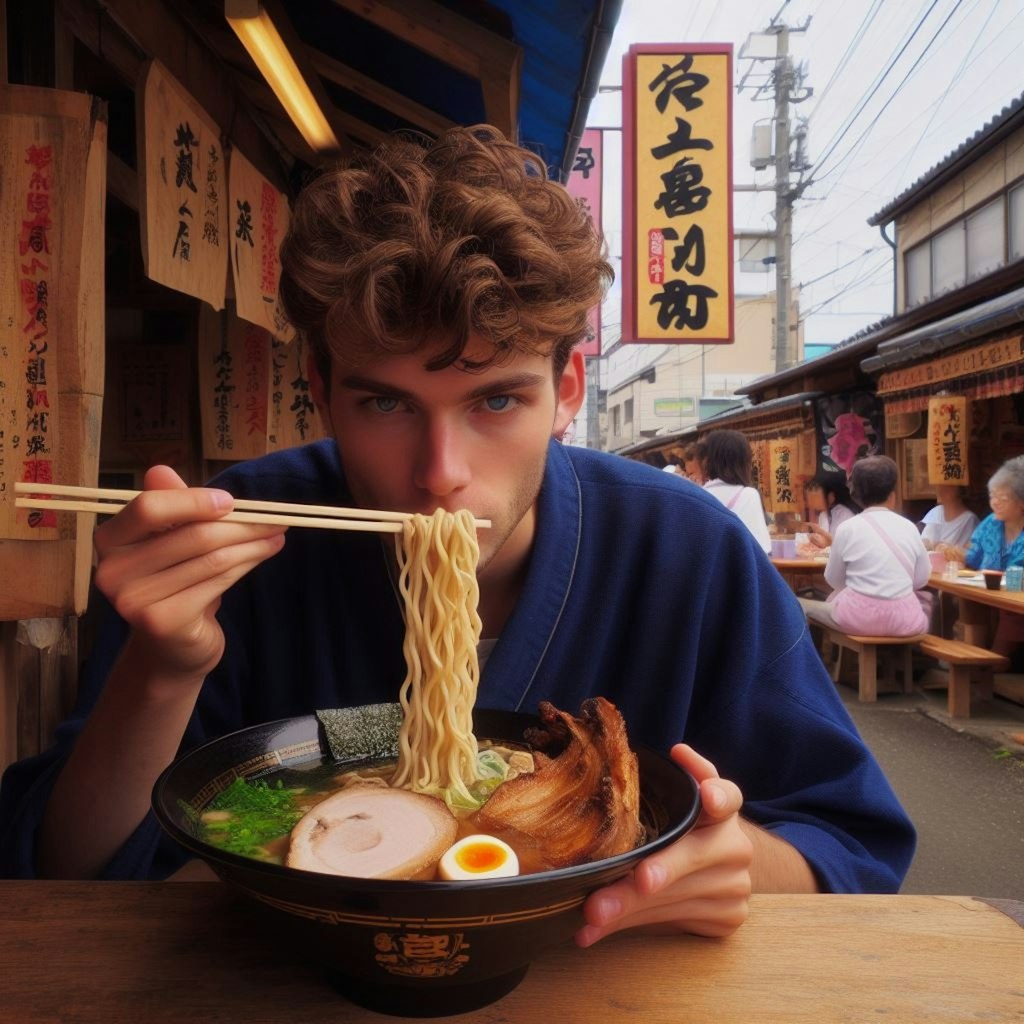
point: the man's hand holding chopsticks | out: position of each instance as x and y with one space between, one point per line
165 560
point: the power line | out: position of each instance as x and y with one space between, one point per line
848 53
848 123
936 107
829 273
853 149
888 173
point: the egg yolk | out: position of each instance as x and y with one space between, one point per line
478 857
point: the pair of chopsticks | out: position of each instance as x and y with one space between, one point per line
108 501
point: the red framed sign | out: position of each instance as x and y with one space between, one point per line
677 266
584 185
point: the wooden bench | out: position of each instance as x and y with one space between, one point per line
964 661
866 648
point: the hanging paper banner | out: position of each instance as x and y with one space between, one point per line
293 418
677 265
183 207
258 222
947 440
234 371
585 185
783 458
53 151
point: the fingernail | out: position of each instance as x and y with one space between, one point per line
221 499
656 877
587 936
608 909
717 797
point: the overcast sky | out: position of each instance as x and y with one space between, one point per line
949 66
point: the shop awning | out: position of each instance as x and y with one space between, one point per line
526 66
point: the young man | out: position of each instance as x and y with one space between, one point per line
442 290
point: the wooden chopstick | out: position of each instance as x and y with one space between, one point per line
108 500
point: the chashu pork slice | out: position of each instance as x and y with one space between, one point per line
583 801
373 832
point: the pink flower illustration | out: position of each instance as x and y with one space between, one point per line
845 444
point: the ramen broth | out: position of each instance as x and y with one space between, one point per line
310 784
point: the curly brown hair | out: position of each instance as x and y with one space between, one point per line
421 240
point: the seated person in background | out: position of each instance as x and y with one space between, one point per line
877 563
950 522
998 542
693 463
828 497
727 463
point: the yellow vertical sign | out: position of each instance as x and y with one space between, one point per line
678 266
947 440
782 458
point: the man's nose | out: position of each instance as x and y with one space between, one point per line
442 465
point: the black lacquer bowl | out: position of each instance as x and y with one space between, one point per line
421 949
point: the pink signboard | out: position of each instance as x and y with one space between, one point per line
585 185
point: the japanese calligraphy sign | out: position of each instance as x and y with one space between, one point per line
677 266
234 369
585 185
947 440
293 418
992 355
782 465
257 224
183 209
52 208
254 391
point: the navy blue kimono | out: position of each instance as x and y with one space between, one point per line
641 588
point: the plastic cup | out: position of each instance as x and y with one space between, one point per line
993 578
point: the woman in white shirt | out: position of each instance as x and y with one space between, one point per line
950 522
727 462
877 562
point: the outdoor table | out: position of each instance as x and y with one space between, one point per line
124 952
793 568
973 600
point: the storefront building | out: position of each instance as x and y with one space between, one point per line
956 333
148 173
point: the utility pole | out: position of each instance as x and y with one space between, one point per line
786 82
785 345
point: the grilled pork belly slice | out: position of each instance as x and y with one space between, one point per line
372 832
583 801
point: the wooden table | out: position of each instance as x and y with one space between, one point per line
130 952
792 569
974 600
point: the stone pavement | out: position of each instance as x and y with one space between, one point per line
962 783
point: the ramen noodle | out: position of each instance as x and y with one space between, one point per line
437 750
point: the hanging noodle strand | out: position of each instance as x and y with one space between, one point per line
437 558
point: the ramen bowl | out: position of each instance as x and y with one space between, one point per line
418 949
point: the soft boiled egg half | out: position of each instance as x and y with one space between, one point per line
478 857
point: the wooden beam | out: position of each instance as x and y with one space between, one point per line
63 54
462 44
124 33
122 182
376 93
3 80
260 95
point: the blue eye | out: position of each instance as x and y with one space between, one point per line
499 403
384 403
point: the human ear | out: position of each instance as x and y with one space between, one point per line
571 390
